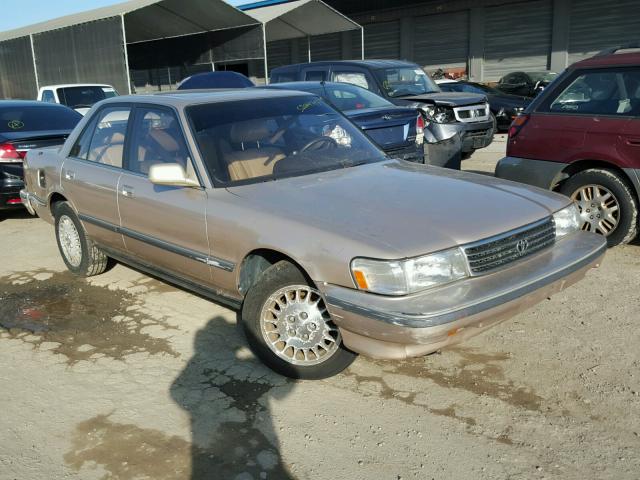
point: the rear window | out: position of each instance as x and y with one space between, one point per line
349 97
37 118
83 97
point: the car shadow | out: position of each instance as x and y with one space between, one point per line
227 394
18 213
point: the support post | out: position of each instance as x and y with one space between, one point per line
309 48
361 43
559 59
35 66
476 44
264 51
126 54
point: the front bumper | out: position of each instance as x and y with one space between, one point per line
473 135
400 327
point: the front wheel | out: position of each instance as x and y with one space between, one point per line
606 202
288 327
79 253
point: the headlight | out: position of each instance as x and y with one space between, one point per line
438 114
401 277
567 220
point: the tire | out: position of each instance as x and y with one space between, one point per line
296 315
495 125
618 225
81 256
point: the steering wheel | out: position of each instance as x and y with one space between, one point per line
327 141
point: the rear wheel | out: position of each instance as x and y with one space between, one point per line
288 327
79 253
607 204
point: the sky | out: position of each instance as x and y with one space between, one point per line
26 12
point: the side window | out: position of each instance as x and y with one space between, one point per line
47 96
157 138
80 149
286 76
355 78
315 75
107 141
599 92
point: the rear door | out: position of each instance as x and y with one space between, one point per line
91 172
163 226
586 118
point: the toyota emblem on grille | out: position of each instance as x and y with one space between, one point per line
522 246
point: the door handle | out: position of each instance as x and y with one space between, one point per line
69 175
634 142
127 191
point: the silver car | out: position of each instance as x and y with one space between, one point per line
273 203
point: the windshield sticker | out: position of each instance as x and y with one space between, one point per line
306 106
15 124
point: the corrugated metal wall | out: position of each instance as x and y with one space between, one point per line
517 37
596 25
324 47
86 53
17 78
381 40
441 40
279 53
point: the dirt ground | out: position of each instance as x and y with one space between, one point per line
126 377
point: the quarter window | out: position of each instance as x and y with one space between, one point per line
47 96
355 78
315 75
158 139
107 141
600 92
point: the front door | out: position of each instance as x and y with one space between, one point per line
91 172
162 226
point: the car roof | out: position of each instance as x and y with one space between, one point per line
28 103
184 98
610 60
68 85
371 63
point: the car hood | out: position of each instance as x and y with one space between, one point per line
505 100
399 208
448 99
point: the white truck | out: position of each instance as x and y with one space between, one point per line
79 96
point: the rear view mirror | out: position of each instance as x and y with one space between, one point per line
171 174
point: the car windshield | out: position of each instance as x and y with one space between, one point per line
350 97
542 76
266 139
406 81
78 97
37 118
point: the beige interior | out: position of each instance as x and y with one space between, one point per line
250 159
109 151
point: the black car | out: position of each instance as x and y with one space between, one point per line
504 107
525 84
463 118
25 125
399 131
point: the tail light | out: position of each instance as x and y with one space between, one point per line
420 130
517 124
9 154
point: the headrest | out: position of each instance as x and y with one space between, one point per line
249 131
117 137
165 140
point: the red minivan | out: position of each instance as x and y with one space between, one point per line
581 137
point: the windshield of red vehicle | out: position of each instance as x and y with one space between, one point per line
405 81
270 138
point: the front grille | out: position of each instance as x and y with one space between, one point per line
487 255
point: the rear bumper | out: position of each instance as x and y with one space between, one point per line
31 202
401 327
410 153
10 198
10 184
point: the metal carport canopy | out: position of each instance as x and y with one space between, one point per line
301 18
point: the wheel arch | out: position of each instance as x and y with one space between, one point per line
257 261
54 198
582 165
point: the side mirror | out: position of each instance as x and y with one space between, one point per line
170 174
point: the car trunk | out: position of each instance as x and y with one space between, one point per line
390 128
12 172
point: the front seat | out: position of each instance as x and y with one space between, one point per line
247 157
